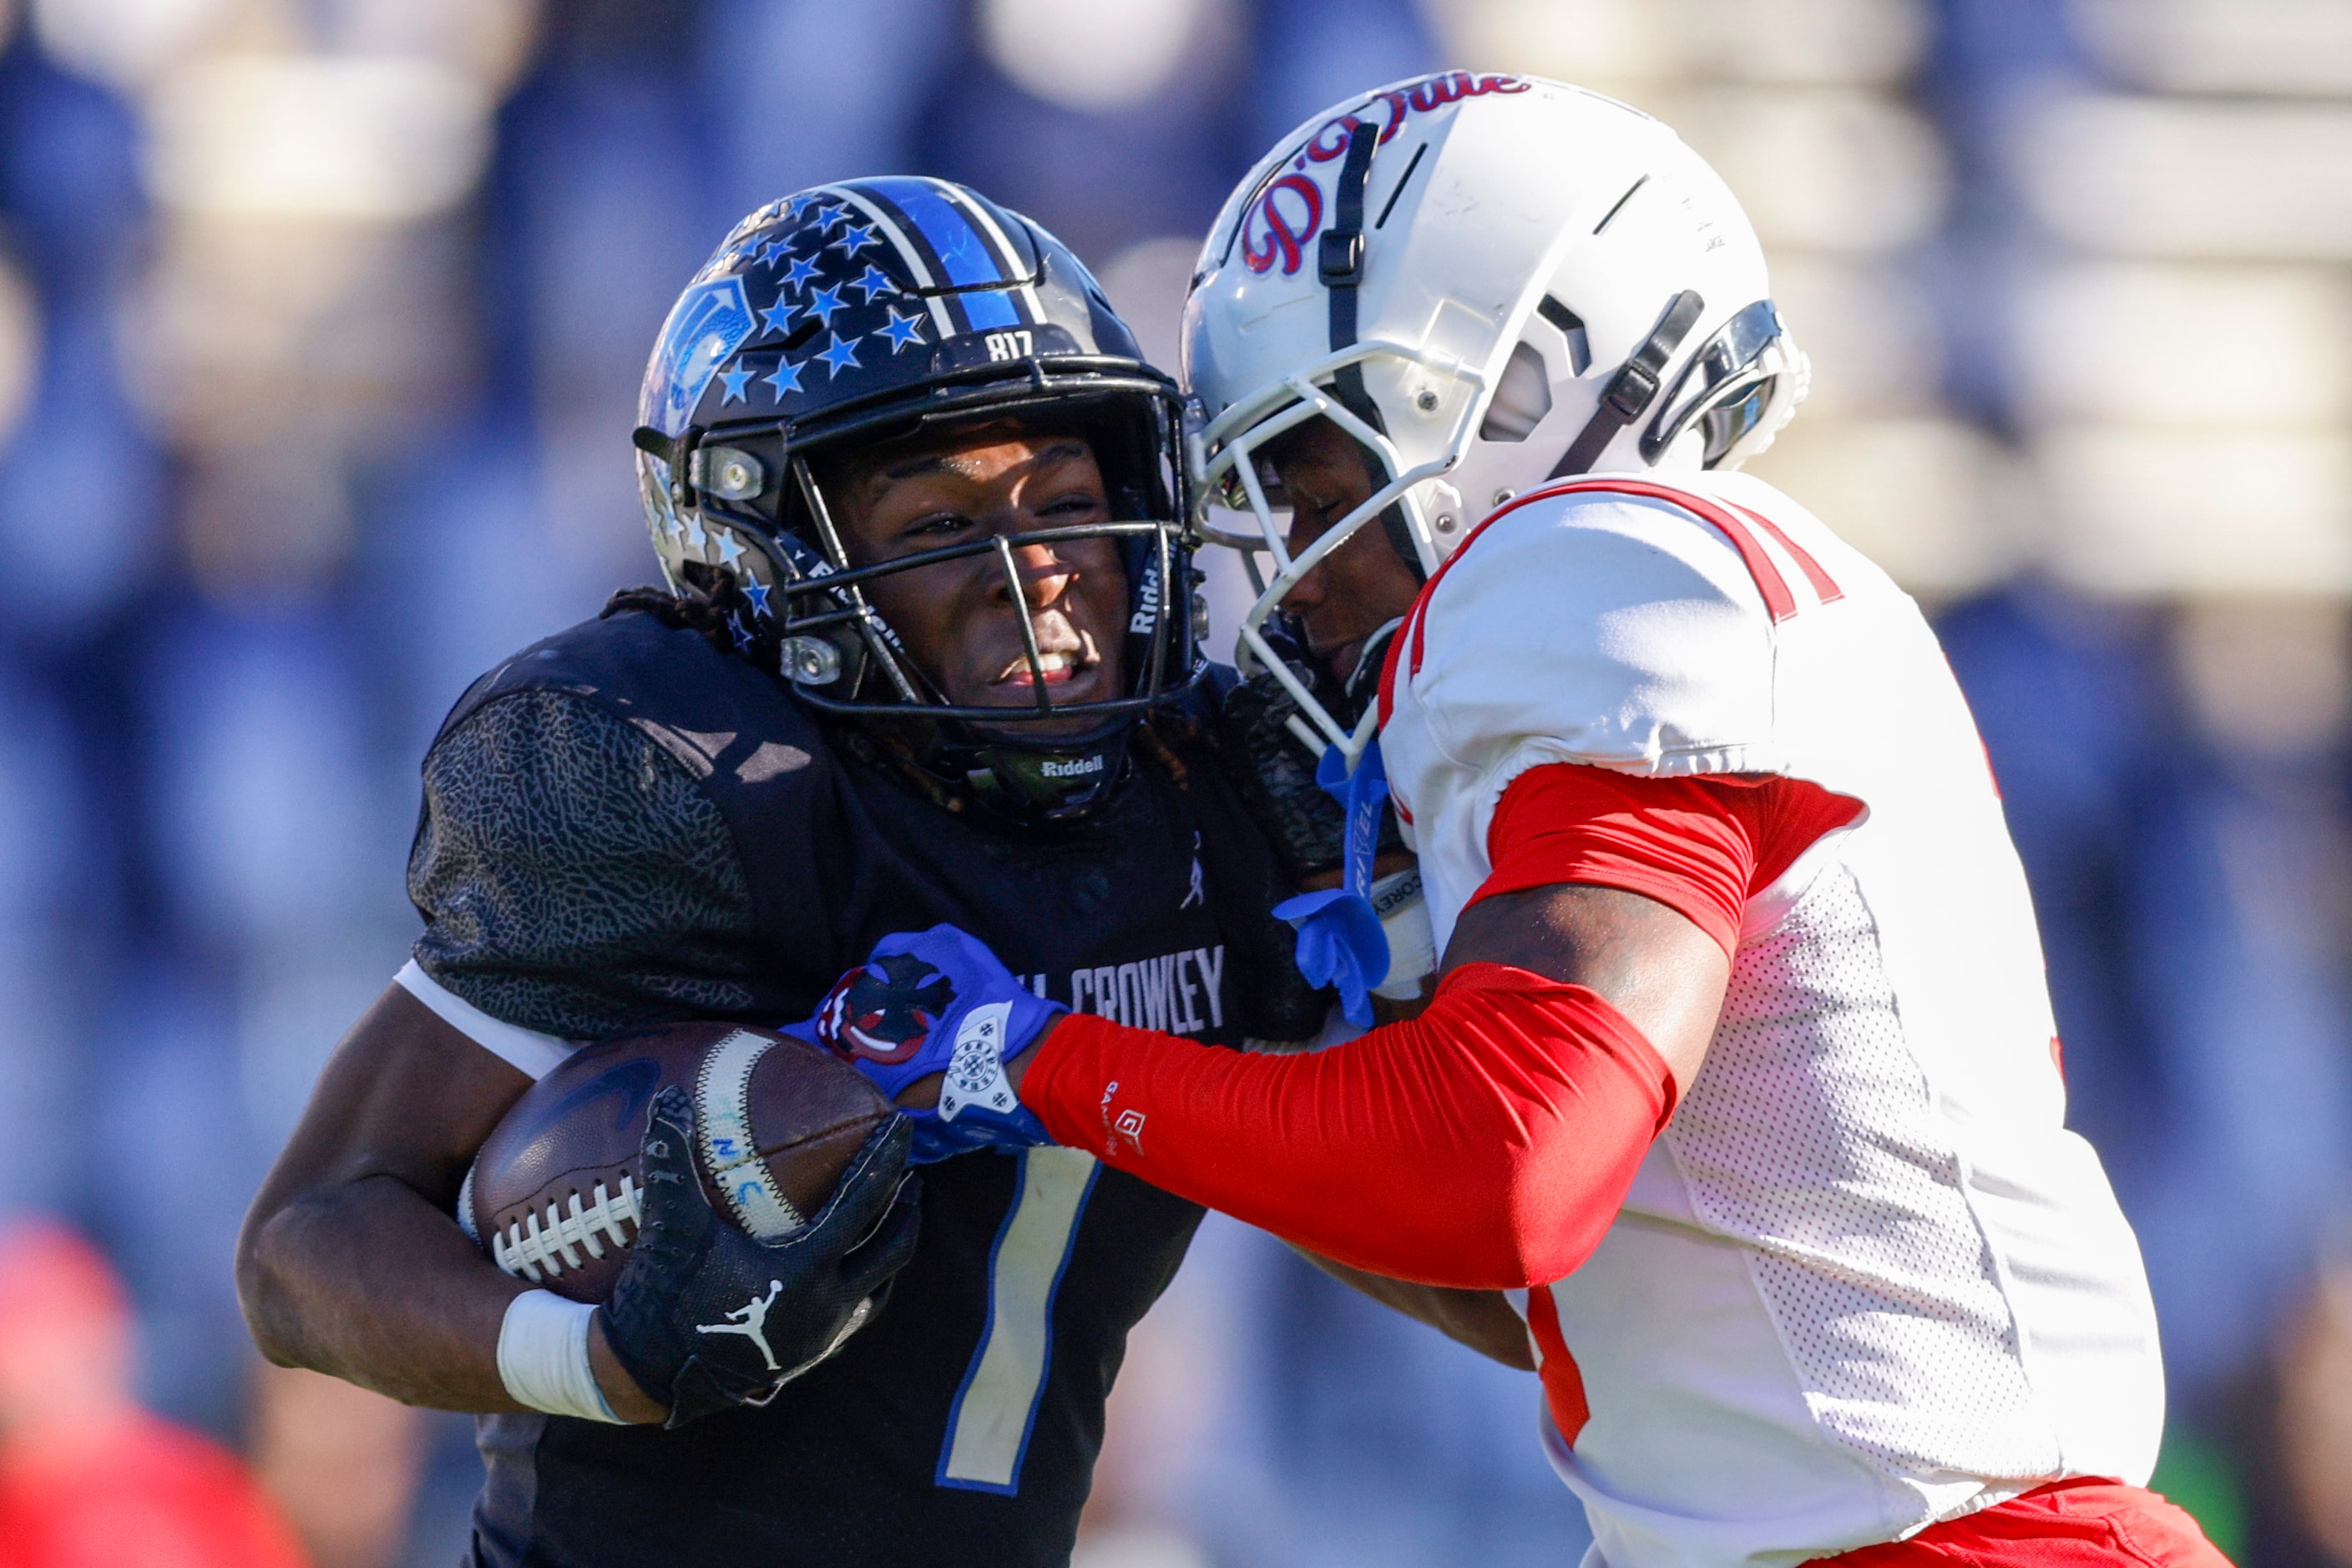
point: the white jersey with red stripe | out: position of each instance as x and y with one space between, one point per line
1865 1280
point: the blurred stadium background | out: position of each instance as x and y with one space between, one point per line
321 322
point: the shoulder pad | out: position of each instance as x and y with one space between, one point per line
702 706
1615 628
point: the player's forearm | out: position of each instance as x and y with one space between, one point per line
1482 1319
1484 1146
367 1281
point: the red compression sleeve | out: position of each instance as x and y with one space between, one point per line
1486 1144
1702 847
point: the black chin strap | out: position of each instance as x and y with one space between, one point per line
1634 386
1339 260
1339 268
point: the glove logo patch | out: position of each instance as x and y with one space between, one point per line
751 1320
885 1017
976 1072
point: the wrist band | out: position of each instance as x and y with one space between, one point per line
1404 921
543 1357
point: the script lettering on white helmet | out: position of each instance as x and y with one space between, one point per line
1635 244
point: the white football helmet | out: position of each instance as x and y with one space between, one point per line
1490 283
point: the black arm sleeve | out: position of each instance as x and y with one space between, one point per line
572 877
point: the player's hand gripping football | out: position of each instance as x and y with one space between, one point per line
939 1002
705 1317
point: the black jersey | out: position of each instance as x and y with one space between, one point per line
624 826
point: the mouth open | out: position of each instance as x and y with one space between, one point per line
1066 672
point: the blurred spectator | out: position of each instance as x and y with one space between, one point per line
88 1479
342 1462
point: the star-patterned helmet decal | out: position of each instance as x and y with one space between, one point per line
823 304
858 237
787 376
840 355
901 331
848 280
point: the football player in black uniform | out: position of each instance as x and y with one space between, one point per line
926 655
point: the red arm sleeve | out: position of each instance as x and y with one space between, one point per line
1489 1142
1486 1144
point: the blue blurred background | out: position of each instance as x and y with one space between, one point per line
321 322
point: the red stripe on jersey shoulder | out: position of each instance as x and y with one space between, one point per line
1779 602
1824 585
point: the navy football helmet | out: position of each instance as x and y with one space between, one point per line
873 311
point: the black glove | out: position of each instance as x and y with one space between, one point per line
704 1317
1274 772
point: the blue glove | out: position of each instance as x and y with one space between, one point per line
938 1001
1340 941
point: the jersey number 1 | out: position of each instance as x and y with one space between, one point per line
988 1425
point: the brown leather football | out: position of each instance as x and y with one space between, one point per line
553 1196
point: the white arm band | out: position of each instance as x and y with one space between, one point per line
543 1357
1413 946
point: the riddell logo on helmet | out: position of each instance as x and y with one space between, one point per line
1075 768
1287 212
1147 609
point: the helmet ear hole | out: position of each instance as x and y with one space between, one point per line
1522 397
1571 328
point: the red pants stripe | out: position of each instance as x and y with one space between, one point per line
2083 1523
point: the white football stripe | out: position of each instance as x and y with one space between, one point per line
722 1111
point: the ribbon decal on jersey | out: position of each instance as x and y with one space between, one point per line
1340 941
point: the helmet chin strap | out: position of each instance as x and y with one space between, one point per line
1041 782
1633 388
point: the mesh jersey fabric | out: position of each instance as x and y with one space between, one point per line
1865 1280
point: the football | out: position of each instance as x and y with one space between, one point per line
553 1195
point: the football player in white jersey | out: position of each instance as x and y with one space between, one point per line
1738 1100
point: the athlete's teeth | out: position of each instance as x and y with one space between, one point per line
1053 661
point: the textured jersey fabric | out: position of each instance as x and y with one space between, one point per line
624 827
1702 847
573 878
1484 1145
1865 1280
